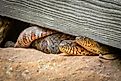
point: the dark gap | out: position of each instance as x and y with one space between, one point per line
16 28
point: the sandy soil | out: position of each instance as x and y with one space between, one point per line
17 64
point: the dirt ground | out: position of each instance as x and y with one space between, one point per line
17 64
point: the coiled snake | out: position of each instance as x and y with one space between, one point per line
50 44
30 34
50 41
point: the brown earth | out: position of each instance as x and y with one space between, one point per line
17 64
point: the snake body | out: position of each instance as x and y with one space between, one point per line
50 41
30 34
82 46
70 47
50 44
91 45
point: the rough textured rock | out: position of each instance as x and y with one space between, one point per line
96 19
17 64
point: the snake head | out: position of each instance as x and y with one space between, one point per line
91 45
82 40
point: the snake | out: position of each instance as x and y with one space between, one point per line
85 46
42 39
28 35
70 47
50 44
51 41
82 46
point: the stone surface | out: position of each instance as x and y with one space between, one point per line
96 19
18 64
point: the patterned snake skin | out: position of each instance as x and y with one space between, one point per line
82 46
30 34
70 47
50 43
91 45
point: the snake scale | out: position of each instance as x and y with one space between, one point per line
50 41
50 44
30 34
